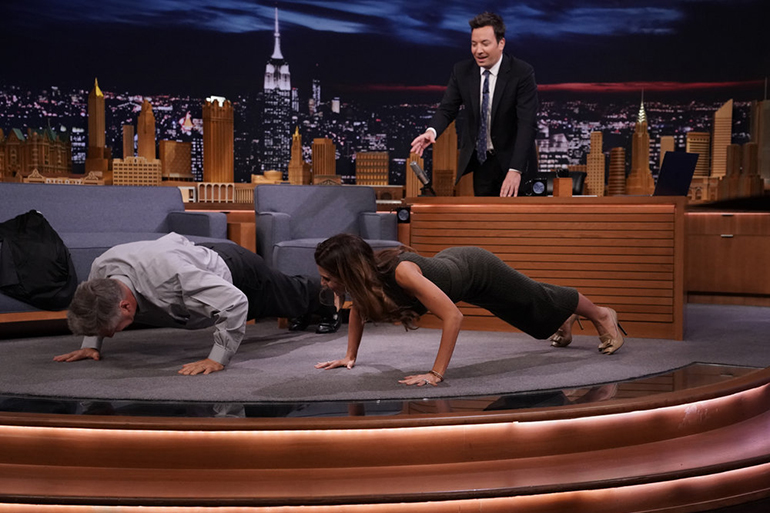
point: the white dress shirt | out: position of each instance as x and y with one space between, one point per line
178 284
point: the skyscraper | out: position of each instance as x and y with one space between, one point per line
145 128
742 178
128 141
667 143
324 158
276 120
372 168
96 124
218 140
616 182
176 160
595 166
698 142
723 130
299 170
640 181
98 156
315 100
702 187
136 171
760 134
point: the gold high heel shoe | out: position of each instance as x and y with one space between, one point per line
559 339
609 344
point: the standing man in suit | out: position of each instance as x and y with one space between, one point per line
500 97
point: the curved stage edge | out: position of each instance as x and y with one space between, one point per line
699 449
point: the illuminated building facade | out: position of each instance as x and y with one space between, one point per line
702 187
145 127
372 168
218 140
176 161
44 151
742 179
723 129
276 118
616 182
667 143
98 155
128 141
324 158
595 166
136 171
299 170
699 142
640 181
760 134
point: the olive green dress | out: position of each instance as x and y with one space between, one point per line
478 277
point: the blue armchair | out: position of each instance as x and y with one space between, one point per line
293 219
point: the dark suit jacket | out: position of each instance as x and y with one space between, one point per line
514 114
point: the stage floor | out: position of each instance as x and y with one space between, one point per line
689 377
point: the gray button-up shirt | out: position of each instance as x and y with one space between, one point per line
178 284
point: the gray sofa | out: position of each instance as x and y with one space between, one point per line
293 219
92 219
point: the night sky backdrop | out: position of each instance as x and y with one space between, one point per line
374 50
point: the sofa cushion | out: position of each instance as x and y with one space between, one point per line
94 208
317 210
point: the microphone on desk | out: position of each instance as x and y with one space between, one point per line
421 176
427 188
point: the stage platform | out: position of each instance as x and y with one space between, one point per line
690 439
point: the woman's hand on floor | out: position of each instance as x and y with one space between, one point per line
333 364
421 380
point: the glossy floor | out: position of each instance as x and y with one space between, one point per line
692 376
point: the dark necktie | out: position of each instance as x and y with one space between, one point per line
481 144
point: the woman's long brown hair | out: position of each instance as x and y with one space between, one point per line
352 261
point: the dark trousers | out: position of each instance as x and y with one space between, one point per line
270 292
488 177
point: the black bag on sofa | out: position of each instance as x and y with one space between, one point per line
35 265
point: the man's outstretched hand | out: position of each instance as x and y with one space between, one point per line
422 141
206 366
81 354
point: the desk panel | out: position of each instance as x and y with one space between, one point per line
624 252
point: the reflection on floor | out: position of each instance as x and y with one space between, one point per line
692 376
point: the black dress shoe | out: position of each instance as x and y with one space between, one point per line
329 324
298 323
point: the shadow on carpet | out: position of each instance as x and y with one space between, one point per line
275 365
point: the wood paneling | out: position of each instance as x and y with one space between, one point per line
728 256
710 441
627 253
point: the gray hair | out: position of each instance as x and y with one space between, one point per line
95 307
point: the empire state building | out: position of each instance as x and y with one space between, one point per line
276 120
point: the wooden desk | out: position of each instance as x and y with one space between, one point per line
623 252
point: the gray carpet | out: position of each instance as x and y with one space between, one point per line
277 365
